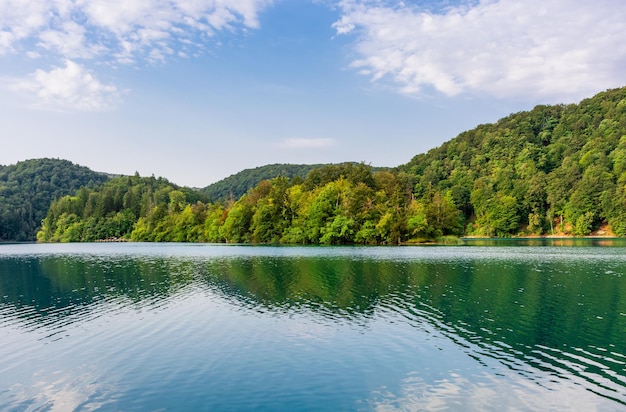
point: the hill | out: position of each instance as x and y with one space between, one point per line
235 186
27 189
553 170
118 206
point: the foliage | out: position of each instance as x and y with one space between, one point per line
146 209
235 186
27 189
552 169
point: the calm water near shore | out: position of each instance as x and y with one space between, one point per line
143 327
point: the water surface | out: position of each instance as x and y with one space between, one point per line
213 327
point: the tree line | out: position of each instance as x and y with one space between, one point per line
553 170
235 186
27 189
334 204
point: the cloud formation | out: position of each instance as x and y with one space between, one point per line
553 49
114 32
69 87
124 30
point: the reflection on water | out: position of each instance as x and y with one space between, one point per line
138 327
547 241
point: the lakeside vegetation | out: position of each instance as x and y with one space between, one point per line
554 169
28 188
557 169
345 203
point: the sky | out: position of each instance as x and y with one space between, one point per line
197 90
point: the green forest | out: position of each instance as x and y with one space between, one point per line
27 189
237 185
554 170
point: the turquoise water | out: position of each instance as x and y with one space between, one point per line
143 327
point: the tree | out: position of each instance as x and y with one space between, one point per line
236 227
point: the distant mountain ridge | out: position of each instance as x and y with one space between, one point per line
236 185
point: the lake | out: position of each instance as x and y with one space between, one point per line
144 327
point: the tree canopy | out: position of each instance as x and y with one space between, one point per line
552 170
235 186
117 208
28 188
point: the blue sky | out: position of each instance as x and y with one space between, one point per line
196 90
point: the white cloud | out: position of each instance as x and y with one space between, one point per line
112 32
120 27
304 143
70 87
68 41
19 19
551 49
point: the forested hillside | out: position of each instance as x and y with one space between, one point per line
27 189
112 210
552 170
235 186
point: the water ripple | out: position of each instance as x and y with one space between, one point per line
219 321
